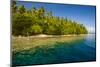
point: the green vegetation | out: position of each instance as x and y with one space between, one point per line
38 21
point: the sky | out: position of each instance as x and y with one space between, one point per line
83 14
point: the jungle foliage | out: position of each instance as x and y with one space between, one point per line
39 21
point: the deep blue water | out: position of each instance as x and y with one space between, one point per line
81 50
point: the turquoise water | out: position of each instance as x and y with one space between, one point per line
80 50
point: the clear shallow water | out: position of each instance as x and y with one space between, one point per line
80 50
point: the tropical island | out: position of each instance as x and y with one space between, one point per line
45 33
38 21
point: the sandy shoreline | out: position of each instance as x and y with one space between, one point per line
24 43
44 35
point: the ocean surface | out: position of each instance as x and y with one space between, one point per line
79 50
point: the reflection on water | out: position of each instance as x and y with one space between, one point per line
90 40
79 50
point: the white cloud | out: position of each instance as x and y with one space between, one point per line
91 29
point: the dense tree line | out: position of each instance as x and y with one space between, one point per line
38 21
